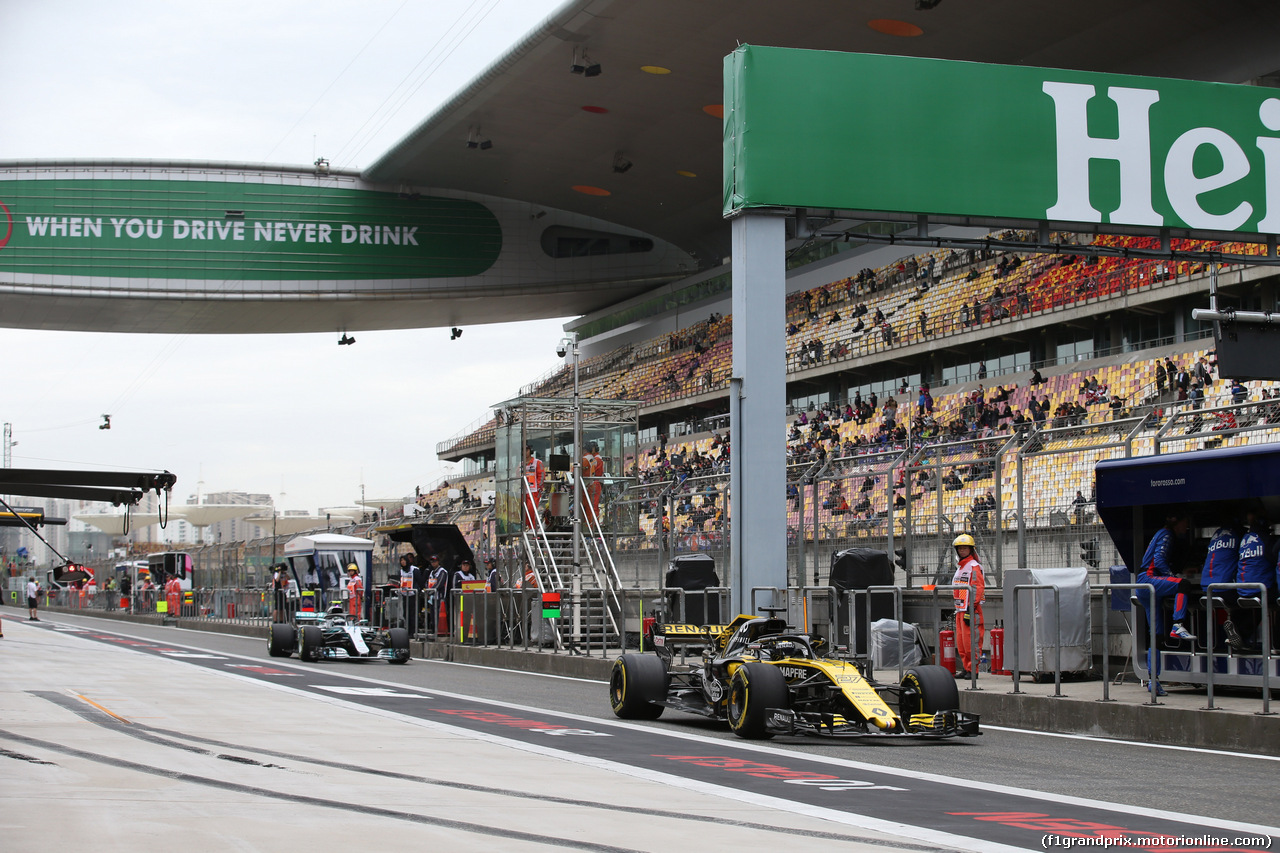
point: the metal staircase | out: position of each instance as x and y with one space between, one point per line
597 617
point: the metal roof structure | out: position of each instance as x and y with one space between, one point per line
553 130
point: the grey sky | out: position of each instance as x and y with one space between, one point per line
276 82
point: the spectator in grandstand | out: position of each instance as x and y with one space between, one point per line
834 318
968 574
1223 420
1239 393
1036 378
1079 503
964 315
982 370
1160 376
1181 381
1203 373
1157 568
981 512
923 320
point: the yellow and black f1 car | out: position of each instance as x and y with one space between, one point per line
767 680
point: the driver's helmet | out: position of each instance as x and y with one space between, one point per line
335 610
783 649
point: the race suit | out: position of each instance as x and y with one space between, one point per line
592 471
1254 565
355 596
1157 572
533 474
1223 559
968 573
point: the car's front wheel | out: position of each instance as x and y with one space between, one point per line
312 643
399 641
754 690
636 683
282 638
927 690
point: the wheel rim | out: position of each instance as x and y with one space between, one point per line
737 701
618 686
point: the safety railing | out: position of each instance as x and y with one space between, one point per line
1057 645
1264 629
513 618
897 617
975 650
1106 637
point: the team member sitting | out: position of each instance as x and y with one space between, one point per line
1257 565
1159 572
1220 566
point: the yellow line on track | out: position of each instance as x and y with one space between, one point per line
102 709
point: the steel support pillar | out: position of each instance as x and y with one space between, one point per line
757 400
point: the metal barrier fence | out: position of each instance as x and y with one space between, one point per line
514 619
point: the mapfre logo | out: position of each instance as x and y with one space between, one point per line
8 225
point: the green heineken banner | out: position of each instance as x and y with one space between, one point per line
243 231
998 143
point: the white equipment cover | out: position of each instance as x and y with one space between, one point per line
1037 628
884 644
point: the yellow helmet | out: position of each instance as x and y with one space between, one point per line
964 539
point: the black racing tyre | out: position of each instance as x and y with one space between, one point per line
754 690
399 638
636 683
281 643
926 690
312 643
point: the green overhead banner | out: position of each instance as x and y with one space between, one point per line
242 231
998 143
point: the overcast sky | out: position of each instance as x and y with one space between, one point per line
273 81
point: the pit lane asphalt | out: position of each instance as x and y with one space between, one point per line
1221 785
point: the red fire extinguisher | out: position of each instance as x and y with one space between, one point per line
997 651
947 650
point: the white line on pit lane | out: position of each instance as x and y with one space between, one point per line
1200 749
1122 808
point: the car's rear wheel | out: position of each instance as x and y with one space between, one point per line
312 643
399 638
280 645
927 690
754 690
636 684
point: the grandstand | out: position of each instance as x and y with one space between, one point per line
912 388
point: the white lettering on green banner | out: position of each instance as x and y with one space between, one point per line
971 141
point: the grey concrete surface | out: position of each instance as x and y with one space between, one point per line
105 749
1221 784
